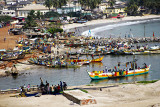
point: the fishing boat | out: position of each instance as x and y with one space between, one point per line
85 62
141 53
128 52
14 71
66 65
78 60
12 56
97 59
96 75
154 48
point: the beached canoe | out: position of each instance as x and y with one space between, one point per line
97 59
95 75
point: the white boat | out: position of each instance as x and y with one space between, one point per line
154 47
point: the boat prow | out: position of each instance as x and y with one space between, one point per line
98 59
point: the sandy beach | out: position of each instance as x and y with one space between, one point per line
107 21
120 95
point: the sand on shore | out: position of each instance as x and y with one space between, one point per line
109 20
124 95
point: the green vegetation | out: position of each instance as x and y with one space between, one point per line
89 85
51 14
149 6
146 82
55 3
91 4
5 18
53 30
112 3
48 3
30 21
84 90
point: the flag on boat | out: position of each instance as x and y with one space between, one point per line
89 33
153 34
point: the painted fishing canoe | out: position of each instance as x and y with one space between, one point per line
78 60
97 59
95 75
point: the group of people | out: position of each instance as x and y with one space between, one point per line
53 89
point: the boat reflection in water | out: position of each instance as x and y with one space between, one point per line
14 76
143 77
96 64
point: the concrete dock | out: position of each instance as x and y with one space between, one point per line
79 97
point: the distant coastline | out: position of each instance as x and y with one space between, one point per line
100 22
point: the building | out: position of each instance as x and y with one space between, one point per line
8 13
115 10
69 8
23 12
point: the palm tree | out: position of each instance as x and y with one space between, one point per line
112 3
30 21
48 3
55 4
132 8
90 3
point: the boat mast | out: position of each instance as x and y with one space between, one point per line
144 31
134 67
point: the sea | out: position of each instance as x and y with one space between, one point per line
79 76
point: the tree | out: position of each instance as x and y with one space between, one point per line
48 3
38 15
55 4
112 3
91 4
30 21
151 5
53 30
5 18
132 8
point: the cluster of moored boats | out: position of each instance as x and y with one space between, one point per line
62 63
123 51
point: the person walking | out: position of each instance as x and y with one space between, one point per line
4 39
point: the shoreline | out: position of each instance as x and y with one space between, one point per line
110 95
101 22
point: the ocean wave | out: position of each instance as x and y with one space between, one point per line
94 31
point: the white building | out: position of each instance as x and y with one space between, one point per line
69 8
8 13
23 12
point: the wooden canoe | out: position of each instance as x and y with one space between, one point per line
96 75
97 59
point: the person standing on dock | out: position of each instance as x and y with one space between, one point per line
28 87
61 85
4 39
14 69
92 56
106 70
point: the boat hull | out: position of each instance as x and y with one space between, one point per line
97 60
100 75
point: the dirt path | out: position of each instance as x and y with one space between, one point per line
11 39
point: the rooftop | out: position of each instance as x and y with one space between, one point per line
34 7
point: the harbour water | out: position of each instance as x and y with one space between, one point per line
79 76
139 28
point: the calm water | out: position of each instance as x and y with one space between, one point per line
79 76
136 28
